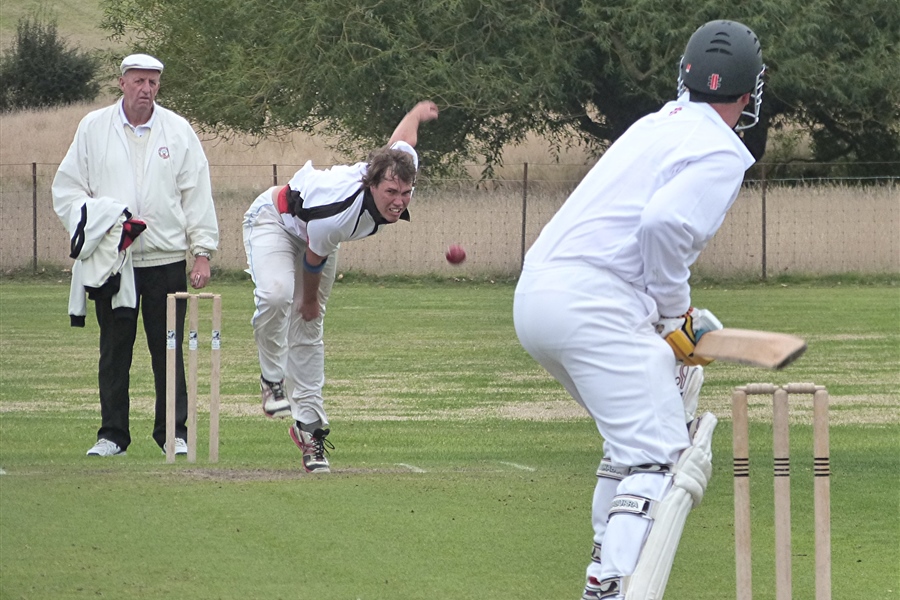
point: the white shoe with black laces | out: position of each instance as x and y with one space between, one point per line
314 447
274 404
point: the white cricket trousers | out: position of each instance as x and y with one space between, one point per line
289 347
594 333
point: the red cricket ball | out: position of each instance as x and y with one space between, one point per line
455 254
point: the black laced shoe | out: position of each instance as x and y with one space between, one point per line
274 403
315 448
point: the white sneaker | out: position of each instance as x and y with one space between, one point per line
314 447
180 447
274 404
105 447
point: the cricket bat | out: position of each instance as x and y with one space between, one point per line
763 349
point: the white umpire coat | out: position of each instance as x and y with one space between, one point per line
176 197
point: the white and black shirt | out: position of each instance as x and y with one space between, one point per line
336 206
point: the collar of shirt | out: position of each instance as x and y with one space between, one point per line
369 207
138 130
735 139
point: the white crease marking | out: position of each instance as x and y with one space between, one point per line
518 466
412 468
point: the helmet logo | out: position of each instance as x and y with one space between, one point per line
714 81
687 68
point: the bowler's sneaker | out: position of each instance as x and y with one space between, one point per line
314 447
274 403
180 447
105 448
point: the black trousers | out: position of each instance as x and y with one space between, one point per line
118 331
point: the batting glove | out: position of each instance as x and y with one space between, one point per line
682 333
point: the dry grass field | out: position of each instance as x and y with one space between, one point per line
485 216
820 229
78 21
811 229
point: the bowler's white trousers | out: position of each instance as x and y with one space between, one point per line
289 347
594 333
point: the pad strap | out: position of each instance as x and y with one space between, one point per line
595 553
629 503
632 505
608 589
611 471
652 469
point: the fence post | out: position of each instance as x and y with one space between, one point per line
34 218
524 210
274 174
764 185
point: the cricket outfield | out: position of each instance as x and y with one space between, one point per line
461 469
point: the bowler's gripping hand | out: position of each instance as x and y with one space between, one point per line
425 111
682 333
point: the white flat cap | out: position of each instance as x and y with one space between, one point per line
141 61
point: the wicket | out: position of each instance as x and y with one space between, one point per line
171 349
782 472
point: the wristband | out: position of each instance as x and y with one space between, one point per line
315 270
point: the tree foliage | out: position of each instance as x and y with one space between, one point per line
39 70
500 69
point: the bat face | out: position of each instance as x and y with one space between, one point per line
764 349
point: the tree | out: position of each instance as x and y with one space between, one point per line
502 68
38 70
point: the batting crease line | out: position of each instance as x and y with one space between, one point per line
517 466
412 468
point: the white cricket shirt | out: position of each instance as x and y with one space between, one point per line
651 203
340 209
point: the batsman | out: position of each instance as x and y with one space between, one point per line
604 304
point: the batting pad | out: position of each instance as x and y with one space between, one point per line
694 467
648 582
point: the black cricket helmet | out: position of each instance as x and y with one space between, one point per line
723 59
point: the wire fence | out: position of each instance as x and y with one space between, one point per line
783 225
